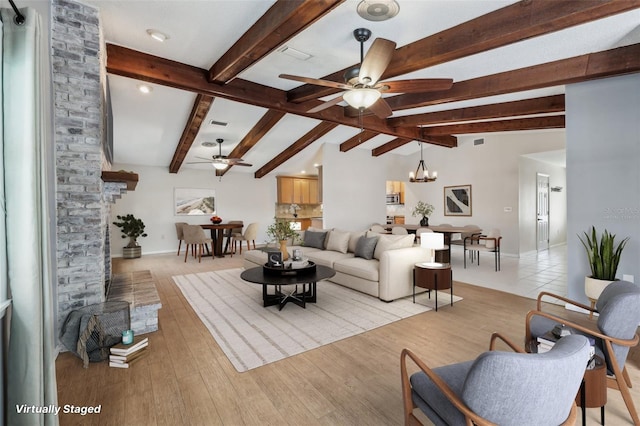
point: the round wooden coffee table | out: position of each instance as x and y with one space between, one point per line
307 279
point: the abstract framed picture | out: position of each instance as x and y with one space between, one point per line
194 201
457 200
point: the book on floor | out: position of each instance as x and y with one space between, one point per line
124 350
124 362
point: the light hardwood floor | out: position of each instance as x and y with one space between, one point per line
187 379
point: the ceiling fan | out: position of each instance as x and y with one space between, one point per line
362 88
221 162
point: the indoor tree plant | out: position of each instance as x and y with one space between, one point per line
603 256
280 230
423 209
133 228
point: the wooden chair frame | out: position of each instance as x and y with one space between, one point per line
620 380
471 417
468 244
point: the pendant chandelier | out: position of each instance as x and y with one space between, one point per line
422 174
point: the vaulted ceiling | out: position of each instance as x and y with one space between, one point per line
216 76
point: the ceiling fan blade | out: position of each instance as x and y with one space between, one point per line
376 61
415 85
199 162
242 164
316 81
327 104
381 108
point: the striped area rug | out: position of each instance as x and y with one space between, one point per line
252 335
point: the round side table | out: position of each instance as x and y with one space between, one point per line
433 276
593 390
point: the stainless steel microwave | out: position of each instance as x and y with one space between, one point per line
393 198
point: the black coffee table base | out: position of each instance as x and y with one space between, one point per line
281 298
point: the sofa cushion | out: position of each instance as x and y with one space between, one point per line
314 239
359 267
338 241
353 240
392 242
366 247
327 257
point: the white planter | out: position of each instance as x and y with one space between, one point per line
593 287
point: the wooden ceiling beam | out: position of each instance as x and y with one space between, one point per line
153 69
306 140
257 132
534 123
359 138
511 24
619 61
544 105
283 20
199 111
389 146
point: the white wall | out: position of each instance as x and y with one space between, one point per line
493 171
239 196
557 204
603 177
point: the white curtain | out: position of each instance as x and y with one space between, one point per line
31 379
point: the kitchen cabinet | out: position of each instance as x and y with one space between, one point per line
396 187
298 190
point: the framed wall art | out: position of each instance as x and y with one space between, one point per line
457 200
194 201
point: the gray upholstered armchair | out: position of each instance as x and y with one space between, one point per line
615 331
499 388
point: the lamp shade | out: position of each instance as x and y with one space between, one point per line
432 240
361 98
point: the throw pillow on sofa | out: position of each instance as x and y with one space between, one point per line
314 239
392 242
365 247
338 241
354 237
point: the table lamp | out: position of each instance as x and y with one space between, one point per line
433 241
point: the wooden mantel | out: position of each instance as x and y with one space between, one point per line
130 178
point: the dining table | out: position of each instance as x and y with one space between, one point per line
447 230
217 235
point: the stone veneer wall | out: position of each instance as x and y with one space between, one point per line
82 212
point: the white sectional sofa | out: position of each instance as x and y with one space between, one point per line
387 275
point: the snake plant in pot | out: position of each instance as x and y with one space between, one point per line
604 256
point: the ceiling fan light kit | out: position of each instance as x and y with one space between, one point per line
422 174
361 98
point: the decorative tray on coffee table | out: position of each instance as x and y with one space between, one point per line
287 268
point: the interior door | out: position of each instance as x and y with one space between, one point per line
542 212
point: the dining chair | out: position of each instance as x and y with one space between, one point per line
250 234
399 230
229 234
180 234
196 239
484 243
379 229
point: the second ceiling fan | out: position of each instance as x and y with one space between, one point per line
362 88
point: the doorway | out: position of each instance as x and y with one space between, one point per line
542 212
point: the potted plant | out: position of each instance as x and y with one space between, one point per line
423 209
280 230
603 256
133 228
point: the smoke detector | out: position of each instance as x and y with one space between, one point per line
378 10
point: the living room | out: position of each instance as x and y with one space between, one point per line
601 150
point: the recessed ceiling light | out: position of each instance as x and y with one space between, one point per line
145 88
157 35
303 171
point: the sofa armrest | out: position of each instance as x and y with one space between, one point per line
396 271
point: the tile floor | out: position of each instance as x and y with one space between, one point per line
525 276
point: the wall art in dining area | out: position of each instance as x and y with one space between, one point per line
457 200
194 201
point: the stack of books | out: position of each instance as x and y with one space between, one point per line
546 341
123 355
